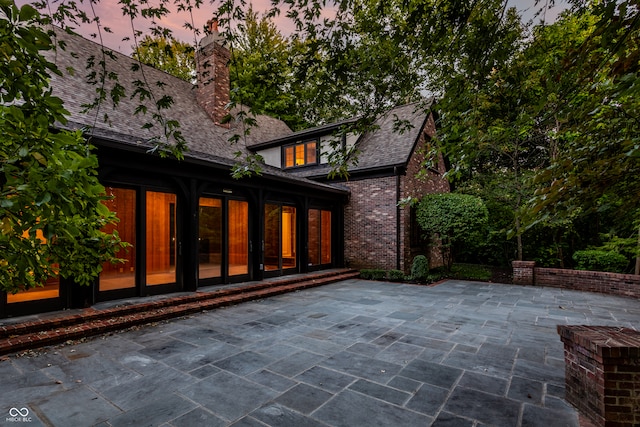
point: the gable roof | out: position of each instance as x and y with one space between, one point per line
201 133
382 148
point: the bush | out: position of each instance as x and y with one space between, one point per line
419 268
373 274
595 260
396 275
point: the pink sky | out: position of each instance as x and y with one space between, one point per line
111 16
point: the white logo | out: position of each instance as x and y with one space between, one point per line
18 415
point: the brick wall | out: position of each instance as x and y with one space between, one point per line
627 285
370 223
430 181
602 373
213 75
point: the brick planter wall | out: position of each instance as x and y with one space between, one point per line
602 373
523 272
526 273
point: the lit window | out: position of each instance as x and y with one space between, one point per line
301 154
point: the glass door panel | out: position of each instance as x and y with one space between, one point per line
314 237
51 289
209 238
319 237
280 237
288 237
238 226
271 237
325 240
121 276
161 244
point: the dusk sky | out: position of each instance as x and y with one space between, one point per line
111 16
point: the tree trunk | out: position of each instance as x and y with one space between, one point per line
638 257
519 238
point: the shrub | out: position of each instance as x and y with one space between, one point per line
595 260
453 218
419 268
373 274
395 275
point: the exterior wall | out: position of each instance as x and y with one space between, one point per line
602 373
526 273
417 187
370 224
272 156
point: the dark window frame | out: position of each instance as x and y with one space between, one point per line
303 144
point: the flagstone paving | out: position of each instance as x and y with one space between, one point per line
353 353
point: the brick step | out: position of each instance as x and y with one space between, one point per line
37 334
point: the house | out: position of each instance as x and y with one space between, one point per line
190 224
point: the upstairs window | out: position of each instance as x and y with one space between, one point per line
301 154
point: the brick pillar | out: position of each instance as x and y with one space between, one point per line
602 373
523 272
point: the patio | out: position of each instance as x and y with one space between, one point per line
353 353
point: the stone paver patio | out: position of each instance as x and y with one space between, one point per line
354 353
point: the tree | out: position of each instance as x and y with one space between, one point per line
51 213
169 55
261 71
449 219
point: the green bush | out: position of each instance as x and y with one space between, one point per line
595 260
373 274
419 268
395 275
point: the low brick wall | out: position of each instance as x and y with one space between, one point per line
602 373
526 273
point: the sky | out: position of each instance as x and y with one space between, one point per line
111 16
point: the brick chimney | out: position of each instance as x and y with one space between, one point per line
213 74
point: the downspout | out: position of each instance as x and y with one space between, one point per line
396 172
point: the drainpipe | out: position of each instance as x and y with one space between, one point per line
396 172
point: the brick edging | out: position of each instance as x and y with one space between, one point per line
41 333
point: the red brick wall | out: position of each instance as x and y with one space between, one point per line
602 373
370 223
627 285
371 216
416 186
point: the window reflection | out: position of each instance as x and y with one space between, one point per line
161 248
121 276
209 238
238 237
319 237
280 240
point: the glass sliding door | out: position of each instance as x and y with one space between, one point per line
289 237
319 238
271 237
238 229
209 237
161 243
280 237
121 276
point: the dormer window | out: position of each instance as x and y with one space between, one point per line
300 154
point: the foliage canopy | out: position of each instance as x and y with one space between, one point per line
51 213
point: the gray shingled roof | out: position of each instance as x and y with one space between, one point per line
201 133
